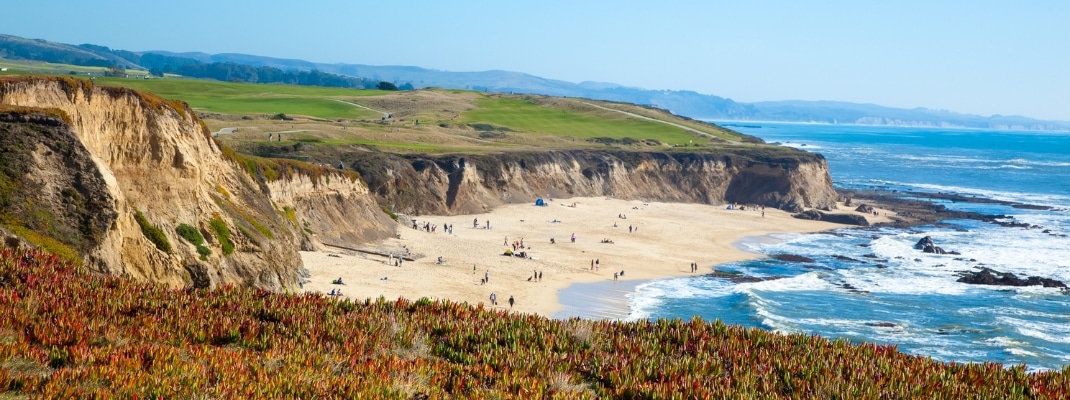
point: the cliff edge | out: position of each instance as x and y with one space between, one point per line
107 176
783 178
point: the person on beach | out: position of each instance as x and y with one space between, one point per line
622 272
596 262
629 229
414 224
488 224
493 299
506 242
486 276
592 265
540 276
573 237
511 301
475 223
614 276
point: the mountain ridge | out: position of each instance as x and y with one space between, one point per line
682 102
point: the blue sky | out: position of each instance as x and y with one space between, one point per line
978 57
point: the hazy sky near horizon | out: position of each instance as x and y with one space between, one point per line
978 57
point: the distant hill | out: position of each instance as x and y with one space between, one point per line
683 102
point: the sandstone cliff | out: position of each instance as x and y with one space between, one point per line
458 184
85 160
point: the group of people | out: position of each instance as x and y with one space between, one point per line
517 244
431 228
694 267
494 300
536 276
475 224
618 274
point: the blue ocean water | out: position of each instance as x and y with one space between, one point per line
880 289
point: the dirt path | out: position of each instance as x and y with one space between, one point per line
385 114
689 129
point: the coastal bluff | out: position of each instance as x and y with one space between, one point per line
125 183
106 176
782 178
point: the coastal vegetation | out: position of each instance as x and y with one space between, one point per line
72 334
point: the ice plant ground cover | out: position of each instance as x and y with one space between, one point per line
66 333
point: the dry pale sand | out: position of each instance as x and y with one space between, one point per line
667 238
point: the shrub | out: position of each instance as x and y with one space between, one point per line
390 213
204 251
190 233
223 233
193 236
153 233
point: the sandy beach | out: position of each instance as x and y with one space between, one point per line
665 239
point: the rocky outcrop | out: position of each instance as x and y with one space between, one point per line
333 209
114 153
987 276
927 245
459 184
846 219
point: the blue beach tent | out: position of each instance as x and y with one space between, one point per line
539 202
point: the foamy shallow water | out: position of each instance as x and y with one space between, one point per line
900 295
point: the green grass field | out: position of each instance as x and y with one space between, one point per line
251 98
526 116
17 67
450 119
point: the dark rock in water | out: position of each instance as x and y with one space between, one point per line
990 277
864 208
954 253
740 278
881 324
871 255
793 258
927 245
881 266
844 258
846 219
852 289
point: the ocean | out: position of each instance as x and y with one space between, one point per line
870 285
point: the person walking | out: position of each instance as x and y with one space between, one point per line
493 299
511 301
486 276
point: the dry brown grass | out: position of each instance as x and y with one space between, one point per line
425 105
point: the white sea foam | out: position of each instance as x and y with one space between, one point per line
1029 198
1051 332
807 281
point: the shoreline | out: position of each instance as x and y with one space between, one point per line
599 300
665 239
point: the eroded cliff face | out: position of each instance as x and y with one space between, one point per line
781 178
334 209
151 157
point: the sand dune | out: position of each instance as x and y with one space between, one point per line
665 239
